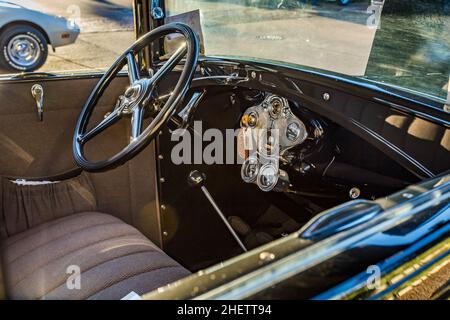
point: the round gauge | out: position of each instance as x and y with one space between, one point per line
249 170
293 131
268 177
276 106
296 132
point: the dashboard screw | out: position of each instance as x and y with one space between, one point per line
326 96
165 233
160 157
162 180
253 74
163 207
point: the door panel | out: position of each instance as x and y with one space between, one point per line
31 149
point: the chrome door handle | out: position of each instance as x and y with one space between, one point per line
38 94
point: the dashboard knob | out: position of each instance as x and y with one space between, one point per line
196 179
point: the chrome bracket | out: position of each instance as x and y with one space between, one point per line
156 10
38 94
186 115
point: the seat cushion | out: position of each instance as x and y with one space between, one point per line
113 258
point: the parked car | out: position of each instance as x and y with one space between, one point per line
25 35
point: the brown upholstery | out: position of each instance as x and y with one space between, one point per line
25 206
114 259
36 149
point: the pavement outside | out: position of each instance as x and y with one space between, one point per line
106 31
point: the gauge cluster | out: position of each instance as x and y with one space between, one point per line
268 131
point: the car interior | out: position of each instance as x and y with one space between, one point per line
90 181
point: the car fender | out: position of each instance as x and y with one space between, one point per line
52 26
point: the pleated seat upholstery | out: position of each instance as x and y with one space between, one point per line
113 258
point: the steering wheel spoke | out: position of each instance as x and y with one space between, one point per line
174 59
108 121
133 70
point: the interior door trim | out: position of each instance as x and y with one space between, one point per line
55 77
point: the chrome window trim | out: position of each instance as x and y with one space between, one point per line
34 77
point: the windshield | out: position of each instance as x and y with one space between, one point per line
401 43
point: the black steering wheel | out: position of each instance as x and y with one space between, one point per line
137 97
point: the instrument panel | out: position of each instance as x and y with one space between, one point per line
268 131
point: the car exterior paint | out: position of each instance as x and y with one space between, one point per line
59 31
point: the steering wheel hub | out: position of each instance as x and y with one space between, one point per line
134 96
133 92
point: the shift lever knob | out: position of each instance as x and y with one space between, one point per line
196 179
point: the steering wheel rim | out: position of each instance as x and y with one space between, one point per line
139 90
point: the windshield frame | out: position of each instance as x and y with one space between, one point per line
420 105
431 100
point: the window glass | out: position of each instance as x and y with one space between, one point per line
400 43
63 35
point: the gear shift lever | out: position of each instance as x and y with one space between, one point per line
197 179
